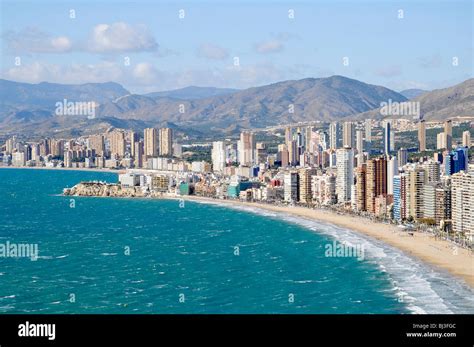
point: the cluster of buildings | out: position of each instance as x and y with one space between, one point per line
336 166
156 149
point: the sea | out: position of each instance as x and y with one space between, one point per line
122 256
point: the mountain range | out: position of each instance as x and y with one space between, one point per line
29 108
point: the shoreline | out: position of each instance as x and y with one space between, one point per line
62 169
424 247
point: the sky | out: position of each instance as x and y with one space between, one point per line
155 45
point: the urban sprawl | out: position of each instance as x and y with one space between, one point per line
333 167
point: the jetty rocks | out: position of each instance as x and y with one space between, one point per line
104 189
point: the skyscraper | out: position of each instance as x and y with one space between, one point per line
246 148
334 135
392 171
134 137
368 130
117 143
466 139
448 131
402 157
387 138
291 188
345 174
376 181
462 199
151 142
361 187
417 180
422 136
348 138
218 156
166 142
305 194
359 141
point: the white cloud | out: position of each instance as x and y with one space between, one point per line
121 37
33 40
274 44
269 46
211 51
145 76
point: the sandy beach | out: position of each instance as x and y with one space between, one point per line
439 253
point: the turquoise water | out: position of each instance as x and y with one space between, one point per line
180 260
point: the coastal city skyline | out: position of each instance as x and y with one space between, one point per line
162 163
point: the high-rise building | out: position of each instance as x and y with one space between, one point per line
134 137
324 189
150 142
218 156
448 131
282 155
433 171
293 153
348 136
368 130
417 180
442 203
466 139
261 152
400 202
402 157
462 199
288 135
386 138
345 173
376 181
291 188
166 142
422 136
360 141
246 148
138 154
97 143
305 194
117 143
361 188
334 135
392 171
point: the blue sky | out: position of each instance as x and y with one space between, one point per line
146 46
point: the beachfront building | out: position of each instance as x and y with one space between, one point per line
361 188
323 188
416 182
376 181
400 205
345 174
291 187
462 184
305 194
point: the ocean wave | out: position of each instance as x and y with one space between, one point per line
420 287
